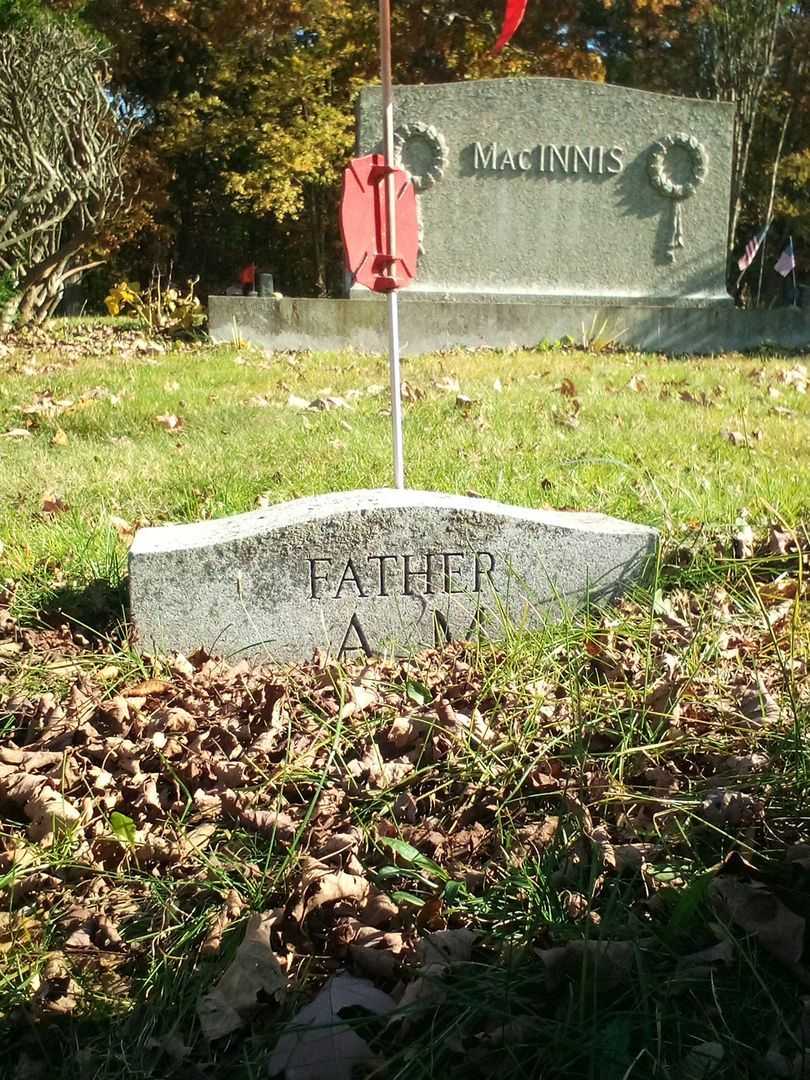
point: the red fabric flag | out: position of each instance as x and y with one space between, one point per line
515 10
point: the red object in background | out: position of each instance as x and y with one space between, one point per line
365 230
515 10
248 275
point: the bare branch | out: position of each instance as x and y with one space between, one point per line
62 148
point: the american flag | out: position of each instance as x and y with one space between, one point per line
786 263
751 249
515 10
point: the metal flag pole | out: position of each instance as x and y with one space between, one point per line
391 228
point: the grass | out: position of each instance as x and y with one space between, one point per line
640 453
628 728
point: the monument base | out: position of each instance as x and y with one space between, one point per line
431 325
366 572
602 299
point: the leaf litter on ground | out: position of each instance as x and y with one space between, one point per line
393 818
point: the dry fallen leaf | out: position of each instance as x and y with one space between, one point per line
56 993
759 706
757 911
780 541
465 404
743 541
610 963
321 885
411 392
125 530
170 422
317 1044
795 377
448 384
702 1061
148 688
59 438
361 697
230 910
253 970
446 946
17 433
53 504
328 402
637 383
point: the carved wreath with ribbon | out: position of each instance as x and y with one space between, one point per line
662 181
421 150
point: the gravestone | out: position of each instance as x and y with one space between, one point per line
372 571
538 188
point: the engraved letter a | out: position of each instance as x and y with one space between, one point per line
354 624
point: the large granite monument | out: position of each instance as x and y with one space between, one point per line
558 189
549 208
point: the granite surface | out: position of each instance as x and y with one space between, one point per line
563 188
430 325
373 571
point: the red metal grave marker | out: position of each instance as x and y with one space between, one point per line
364 227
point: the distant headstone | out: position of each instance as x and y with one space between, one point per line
556 188
370 571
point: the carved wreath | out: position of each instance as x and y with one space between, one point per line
436 143
657 167
666 186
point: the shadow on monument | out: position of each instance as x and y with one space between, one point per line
635 575
637 198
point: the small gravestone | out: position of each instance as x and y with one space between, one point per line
373 571
560 189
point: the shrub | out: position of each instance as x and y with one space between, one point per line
159 310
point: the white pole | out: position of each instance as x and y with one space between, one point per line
391 223
396 389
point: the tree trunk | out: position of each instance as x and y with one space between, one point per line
42 287
8 315
774 177
743 37
318 254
